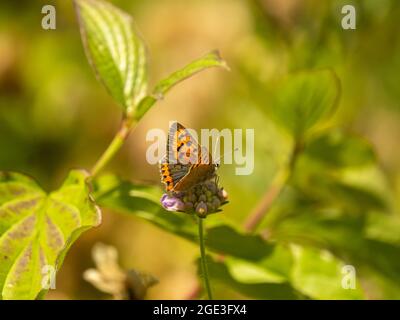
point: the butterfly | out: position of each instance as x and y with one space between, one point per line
186 163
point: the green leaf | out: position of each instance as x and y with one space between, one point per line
345 238
384 227
253 266
276 267
355 189
354 197
337 149
212 59
37 229
114 49
319 275
277 291
305 101
144 202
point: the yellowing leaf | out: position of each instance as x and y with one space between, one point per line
37 229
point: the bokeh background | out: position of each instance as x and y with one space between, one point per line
55 116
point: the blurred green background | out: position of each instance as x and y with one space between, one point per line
55 116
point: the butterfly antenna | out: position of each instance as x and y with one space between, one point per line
216 146
216 180
225 154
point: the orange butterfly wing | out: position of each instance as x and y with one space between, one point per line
186 163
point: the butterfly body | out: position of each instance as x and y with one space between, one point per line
186 163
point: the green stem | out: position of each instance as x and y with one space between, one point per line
113 147
275 189
203 260
267 200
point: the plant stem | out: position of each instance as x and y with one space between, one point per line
113 147
256 216
266 201
203 260
272 192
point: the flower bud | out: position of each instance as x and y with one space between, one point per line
201 209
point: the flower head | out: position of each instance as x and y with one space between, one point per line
202 199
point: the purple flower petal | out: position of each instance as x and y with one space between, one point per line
172 203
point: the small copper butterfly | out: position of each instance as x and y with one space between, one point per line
186 163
